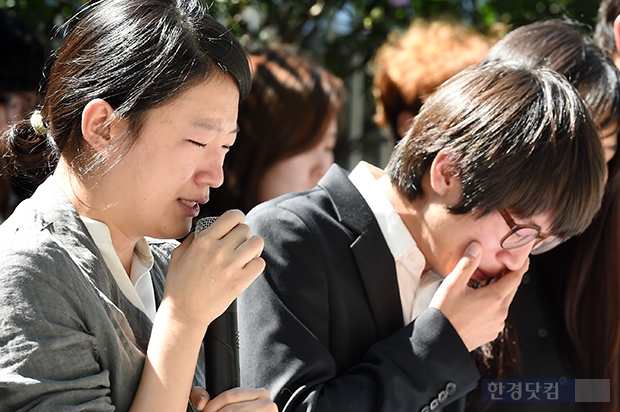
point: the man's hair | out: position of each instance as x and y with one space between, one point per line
604 31
520 138
410 65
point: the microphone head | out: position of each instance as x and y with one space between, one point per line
204 223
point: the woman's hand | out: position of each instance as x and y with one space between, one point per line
208 271
233 400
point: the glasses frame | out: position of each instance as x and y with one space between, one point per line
514 227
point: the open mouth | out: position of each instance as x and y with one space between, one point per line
475 283
188 203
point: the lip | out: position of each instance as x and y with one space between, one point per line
190 207
479 279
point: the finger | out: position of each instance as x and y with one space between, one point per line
250 248
509 283
235 396
180 250
466 266
224 224
199 397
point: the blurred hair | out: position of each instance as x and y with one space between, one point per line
412 64
291 103
134 54
505 126
604 30
563 47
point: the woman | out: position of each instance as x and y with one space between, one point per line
287 131
140 110
565 314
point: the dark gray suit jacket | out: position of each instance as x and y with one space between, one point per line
322 327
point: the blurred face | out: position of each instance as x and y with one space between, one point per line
302 171
157 186
14 106
609 138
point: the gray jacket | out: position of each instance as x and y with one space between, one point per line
69 339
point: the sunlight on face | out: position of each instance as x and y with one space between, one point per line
609 139
302 171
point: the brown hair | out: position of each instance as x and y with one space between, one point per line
505 126
412 64
290 105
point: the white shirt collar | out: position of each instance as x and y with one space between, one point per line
138 286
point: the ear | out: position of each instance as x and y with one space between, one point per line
97 118
442 179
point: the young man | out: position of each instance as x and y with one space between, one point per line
340 319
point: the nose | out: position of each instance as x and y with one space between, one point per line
211 171
513 259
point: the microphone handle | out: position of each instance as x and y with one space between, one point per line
221 343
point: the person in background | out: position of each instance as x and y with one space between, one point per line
607 30
365 303
565 318
139 113
21 71
287 131
412 64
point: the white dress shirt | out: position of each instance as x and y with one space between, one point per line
416 288
137 287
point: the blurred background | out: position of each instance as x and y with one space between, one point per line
343 36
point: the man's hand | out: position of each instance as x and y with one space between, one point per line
477 315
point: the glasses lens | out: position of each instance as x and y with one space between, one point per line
520 237
546 245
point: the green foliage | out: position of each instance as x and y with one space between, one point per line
343 35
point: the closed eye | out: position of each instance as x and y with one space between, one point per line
198 144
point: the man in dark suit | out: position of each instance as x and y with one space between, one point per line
364 304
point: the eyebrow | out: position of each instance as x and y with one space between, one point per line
211 125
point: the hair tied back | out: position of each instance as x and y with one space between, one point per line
37 123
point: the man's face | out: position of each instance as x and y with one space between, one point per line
447 236
443 236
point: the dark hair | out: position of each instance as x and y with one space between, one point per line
134 54
604 30
291 103
410 65
562 46
505 127
593 271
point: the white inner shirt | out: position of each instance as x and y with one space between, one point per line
138 286
416 288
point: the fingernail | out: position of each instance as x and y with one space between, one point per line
473 249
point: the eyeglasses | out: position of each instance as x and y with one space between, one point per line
521 235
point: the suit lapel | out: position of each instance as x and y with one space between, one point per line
370 251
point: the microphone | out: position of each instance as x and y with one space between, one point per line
221 343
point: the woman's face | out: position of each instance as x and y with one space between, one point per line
302 171
156 188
